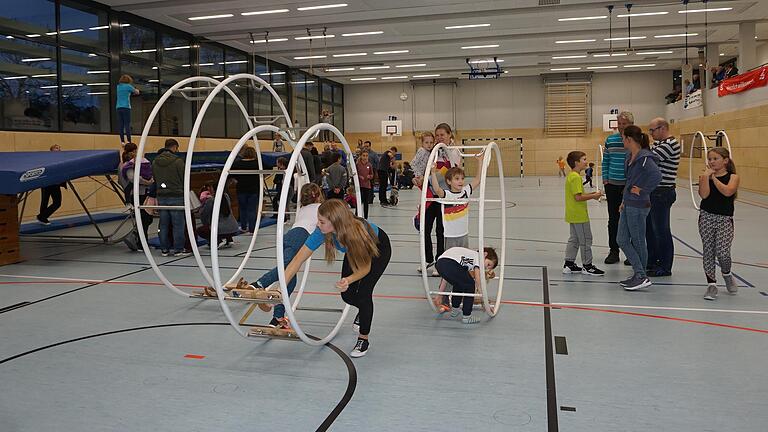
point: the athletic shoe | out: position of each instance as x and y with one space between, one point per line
711 293
613 257
626 282
637 282
591 270
43 220
659 273
361 348
469 319
165 253
281 323
182 253
730 283
571 267
455 312
435 273
356 324
428 266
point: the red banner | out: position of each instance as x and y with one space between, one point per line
746 81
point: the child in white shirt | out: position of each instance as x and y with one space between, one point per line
461 267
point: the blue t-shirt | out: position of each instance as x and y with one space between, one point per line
317 238
124 92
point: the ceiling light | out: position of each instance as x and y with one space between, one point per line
395 77
337 5
314 37
269 40
97 93
104 27
65 32
575 41
391 52
632 15
583 18
722 54
653 52
273 11
92 55
609 55
427 76
125 25
176 48
9 37
70 85
486 61
97 72
373 67
621 38
411 65
363 33
602 67
466 26
27 60
676 35
350 55
566 69
198 18
43 76
705 10
142 51
233 62
34 35
569 57
15 77
277 84
272 73
362 79
205 64
480 46
641 65
309 57
49 87
340 69
97 84
302 82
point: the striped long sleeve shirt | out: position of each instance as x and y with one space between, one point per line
614 156
668 150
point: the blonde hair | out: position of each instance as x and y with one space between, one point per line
126 79
311 194
353 233
427 134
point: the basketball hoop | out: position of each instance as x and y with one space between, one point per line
484 68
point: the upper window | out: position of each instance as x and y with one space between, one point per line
139 41
83 27
33 19
175 51
85 92
28 86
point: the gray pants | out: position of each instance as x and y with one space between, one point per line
581 238
462 241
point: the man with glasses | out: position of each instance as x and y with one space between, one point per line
614 178
661 248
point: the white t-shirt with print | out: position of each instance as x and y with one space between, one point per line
306 217
456 216
468 258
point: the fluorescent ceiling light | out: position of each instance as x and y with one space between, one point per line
350 55
302 82
34 35
395 77
314 37
65 32
621 38
49 87
9 37
104 27
15 77
207 17
35 59
97 93
427 76
328 6
705 10
391 52
722 54
653 52
676 35
373 67
97 84
602 67
125 25
272 73
631 15
486 61
340 69
569 57
154 68
176 48
480 46
584 18
269 40
149 50
466 26
70 85
92 55
362 79
640 65
411 65
43 76
277 84
215 76
609 55
265 12
309 57
205 64
97 72
566 69
233 62
363 33
575 41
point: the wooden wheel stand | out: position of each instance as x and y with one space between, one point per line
9 230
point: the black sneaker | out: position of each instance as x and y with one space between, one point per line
43 220
356 324
361 348
570 267
591 270
613 257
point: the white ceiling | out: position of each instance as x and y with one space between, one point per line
525 32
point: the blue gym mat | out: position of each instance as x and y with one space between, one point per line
69 222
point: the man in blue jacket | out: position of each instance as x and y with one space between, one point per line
614 178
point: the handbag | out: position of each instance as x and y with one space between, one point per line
151 201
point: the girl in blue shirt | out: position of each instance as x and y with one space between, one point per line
124 91
366 251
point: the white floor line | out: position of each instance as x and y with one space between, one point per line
51 278
664 308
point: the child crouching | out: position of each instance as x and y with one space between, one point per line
461 267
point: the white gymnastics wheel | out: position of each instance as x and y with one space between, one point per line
699 136
599 168
488 151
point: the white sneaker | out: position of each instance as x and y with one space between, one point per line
711 293
469 319
361 348
435 273
455 312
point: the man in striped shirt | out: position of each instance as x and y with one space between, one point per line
661 248
614 156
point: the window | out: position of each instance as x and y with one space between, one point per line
313 105
85 89
177 114
84 28
338 107
175 51
212 64
139 42
28 88
31 19
299 88
146 81
236 63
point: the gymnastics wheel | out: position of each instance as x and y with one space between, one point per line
699 136
212 87
488 151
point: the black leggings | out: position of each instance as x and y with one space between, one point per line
52 193
434 214
360 293
458 276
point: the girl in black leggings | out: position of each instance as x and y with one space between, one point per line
366 251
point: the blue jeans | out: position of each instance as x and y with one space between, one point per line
293 240
661 247
631 237
124 123
171 217
249 206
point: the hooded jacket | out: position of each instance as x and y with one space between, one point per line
168 170
644 173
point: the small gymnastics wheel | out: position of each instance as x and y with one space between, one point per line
488 151
699 142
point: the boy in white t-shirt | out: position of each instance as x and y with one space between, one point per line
460 267
455 215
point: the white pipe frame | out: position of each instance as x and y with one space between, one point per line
703 138
491 310
599 171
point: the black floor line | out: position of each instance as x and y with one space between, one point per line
549 359
351 371
749 284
